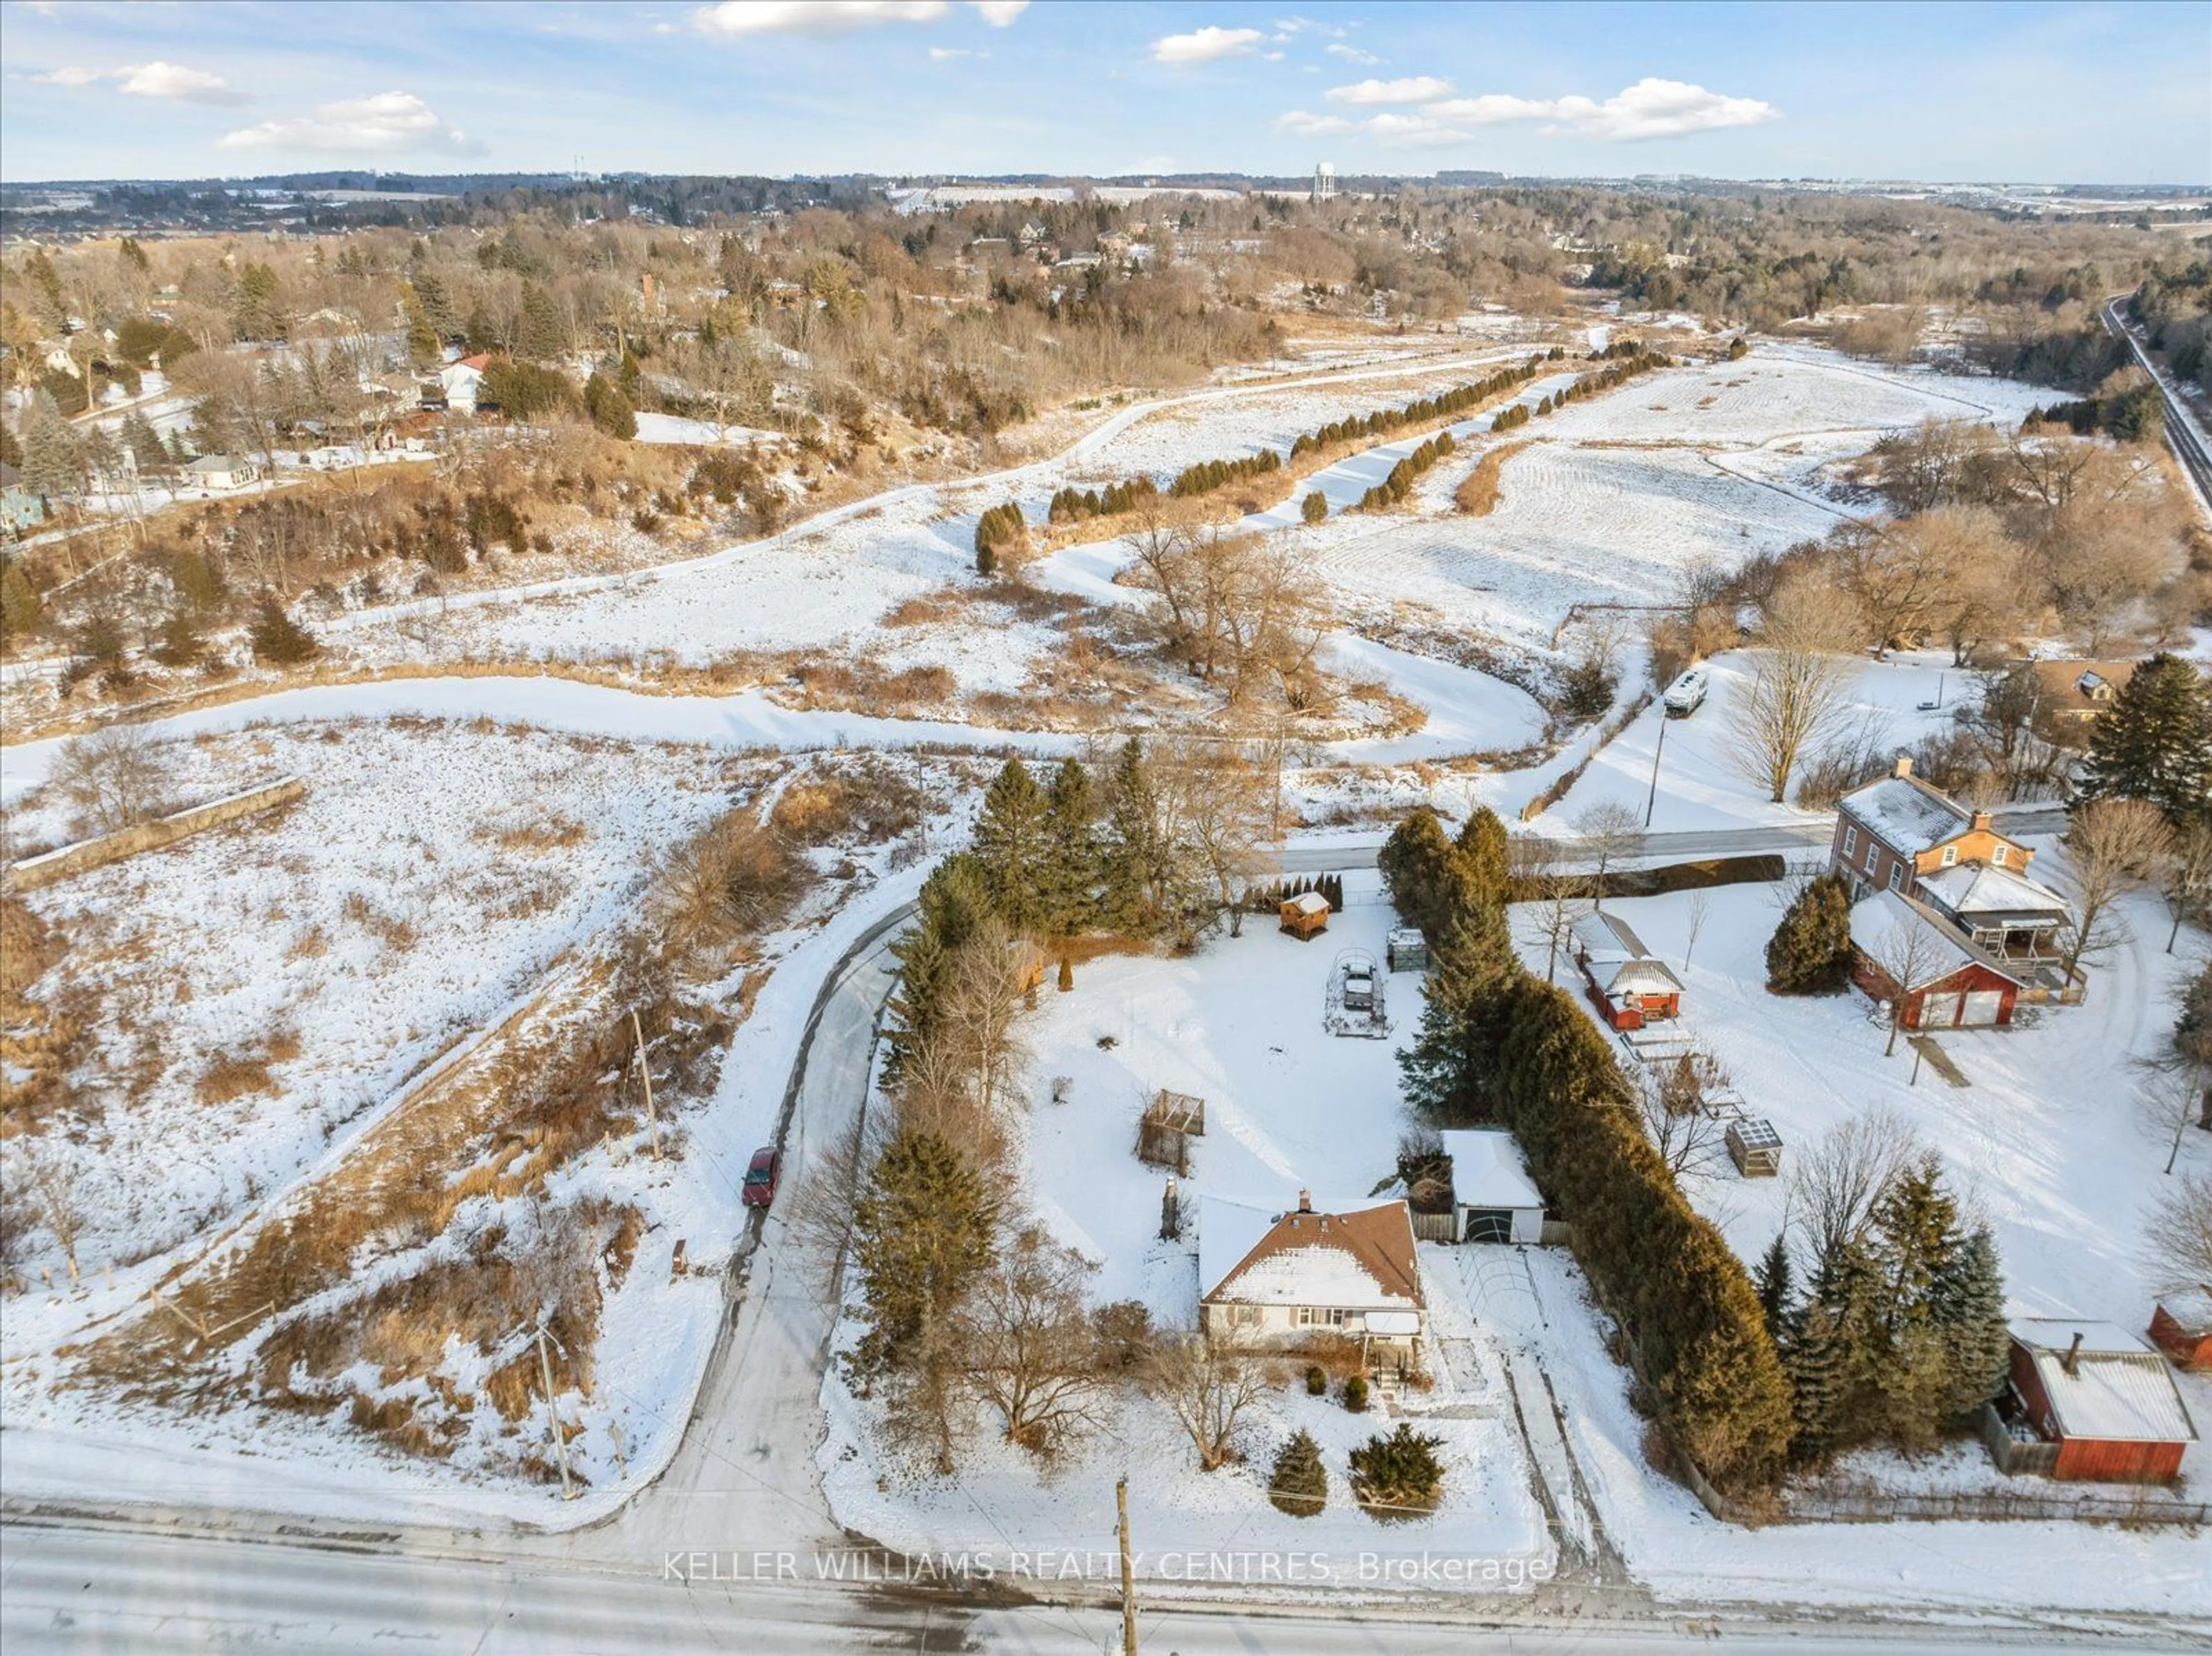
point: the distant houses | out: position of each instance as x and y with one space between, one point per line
221 471
2075 692
1629 985
1344 1269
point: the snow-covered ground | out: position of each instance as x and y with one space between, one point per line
1289 1107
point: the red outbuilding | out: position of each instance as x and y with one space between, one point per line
2106 1399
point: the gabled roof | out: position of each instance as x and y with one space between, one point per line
1353 1254
1487 1170
1617 961
1905 814
1971 888
1880 921
2120 1390
1307 902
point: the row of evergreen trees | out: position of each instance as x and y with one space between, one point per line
1408 472
1382 422
1497 1044
1209 475
1263 899
1073 505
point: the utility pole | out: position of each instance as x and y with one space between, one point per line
644 1071
1651 804
560 1438
1128 1572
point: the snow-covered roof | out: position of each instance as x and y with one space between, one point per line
1307 902
1970 888
2120 1389
1905 814
1878 925
1356 1254
1487 1170
208 464
2191 1308
1617 961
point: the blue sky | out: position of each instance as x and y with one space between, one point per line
2057 93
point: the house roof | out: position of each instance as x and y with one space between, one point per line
2062 681
2191 1308
1905 814
1487 1170
1971 888
1880 924
1355 1255
210 463
1617 961
2120 1391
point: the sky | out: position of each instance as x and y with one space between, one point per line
2049 93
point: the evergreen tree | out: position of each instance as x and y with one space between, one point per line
424 348
1068 898
1967 1302
539 335
1398 1477
1300 1484
144 444
954 901
1774 1280
53 452
2155 742
278 639
1313 510
1487 848
1810 952
1011 843
1817 1361
256 314
1448 1069
179 642
1130 854
923 1233
20 605
609 409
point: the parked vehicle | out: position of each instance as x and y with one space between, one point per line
1686 694
759 1188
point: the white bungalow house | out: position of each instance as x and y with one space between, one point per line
461 380
222 471
1340 1268
1493 1200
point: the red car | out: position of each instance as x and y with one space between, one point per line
760 1177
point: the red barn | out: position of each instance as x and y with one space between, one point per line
2103 1396
1629 985
2181 1327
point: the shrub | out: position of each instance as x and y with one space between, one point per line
1315 508
1398 1478
1300 1484
1001 534
1355 1395
611 410
1316 1381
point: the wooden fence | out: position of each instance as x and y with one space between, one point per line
29 873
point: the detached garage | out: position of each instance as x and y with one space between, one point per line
1952 985
1493 1200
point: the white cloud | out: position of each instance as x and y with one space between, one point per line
1308 125
1413 89
1206 45
1414 132
1350 54
379 125
946 54
1652 108
738 17
174 81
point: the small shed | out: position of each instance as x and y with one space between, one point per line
2104 1397
1171 1122
1407 949
1628 985
1755 1148
2181 1327
1493 1198
1305 915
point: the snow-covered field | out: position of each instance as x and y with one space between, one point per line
1289 1107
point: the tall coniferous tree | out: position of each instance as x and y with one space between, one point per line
1070 896
1011 846
2155 742
1130 853
1967 1302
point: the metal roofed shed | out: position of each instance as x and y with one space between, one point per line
1755 1148
2104 1397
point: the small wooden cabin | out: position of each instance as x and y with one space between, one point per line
2105 1399
1305 915
2181 1327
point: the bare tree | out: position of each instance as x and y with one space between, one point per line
114 778
1608 831
1911 953
2111 846
1837 1181
2177 1237
952 1081
2187 870
2171 1100
45 1177
1032 1354
1207 1385
1701 904
1673 1102
1551 894
1217 803
1798 680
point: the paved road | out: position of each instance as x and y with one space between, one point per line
2181 435
89 1591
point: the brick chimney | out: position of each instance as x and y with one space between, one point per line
1305 1201
1981 822
1904 765
2071 1363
